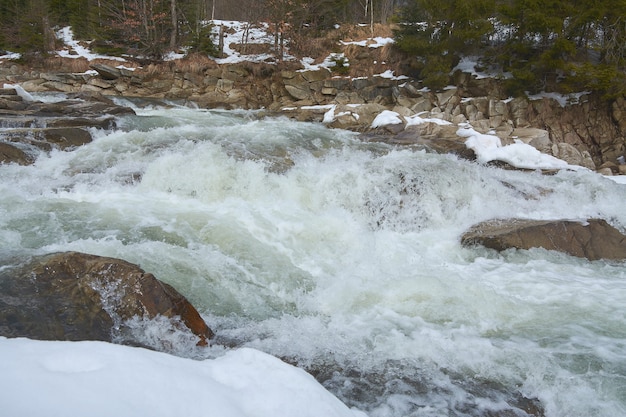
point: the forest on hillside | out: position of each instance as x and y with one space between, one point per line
154 26
571 44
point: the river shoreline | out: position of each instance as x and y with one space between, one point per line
587 131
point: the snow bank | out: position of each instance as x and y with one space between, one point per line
94 379
468 64
418 120
11 55
76 50
375 42
390 75
329 62
329 116
620 179
386 117
562 99
26 96
235 34
519 154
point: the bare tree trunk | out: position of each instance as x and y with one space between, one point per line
386 10
144 19
372 17
48 34
152 26
221 41
244 37
174 33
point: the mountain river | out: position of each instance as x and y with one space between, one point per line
343 257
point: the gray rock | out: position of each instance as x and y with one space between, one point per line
299 92
106 71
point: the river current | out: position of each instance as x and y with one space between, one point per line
343 257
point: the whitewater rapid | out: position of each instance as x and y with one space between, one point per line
343 257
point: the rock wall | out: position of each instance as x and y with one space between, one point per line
590 132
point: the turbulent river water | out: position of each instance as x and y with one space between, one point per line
343 257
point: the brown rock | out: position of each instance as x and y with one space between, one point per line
592 239
11 104
10 153
101 122
316 75
76 296
65 137
8 92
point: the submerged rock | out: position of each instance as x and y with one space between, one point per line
592 239
76 296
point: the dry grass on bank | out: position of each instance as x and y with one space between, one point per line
196 64
349 33
52 63
73 65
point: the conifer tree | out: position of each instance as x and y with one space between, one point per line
439 33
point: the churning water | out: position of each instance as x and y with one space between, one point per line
344 257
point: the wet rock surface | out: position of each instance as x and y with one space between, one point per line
11 153
76 296
593 239
29 127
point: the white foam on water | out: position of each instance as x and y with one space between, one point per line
345 257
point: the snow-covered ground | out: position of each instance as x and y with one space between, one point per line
375 42
235 33
10 55
48 378
74 49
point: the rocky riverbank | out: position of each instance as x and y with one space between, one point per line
586 131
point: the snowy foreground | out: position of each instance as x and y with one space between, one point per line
50 379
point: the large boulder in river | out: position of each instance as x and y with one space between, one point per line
592 239
76 296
